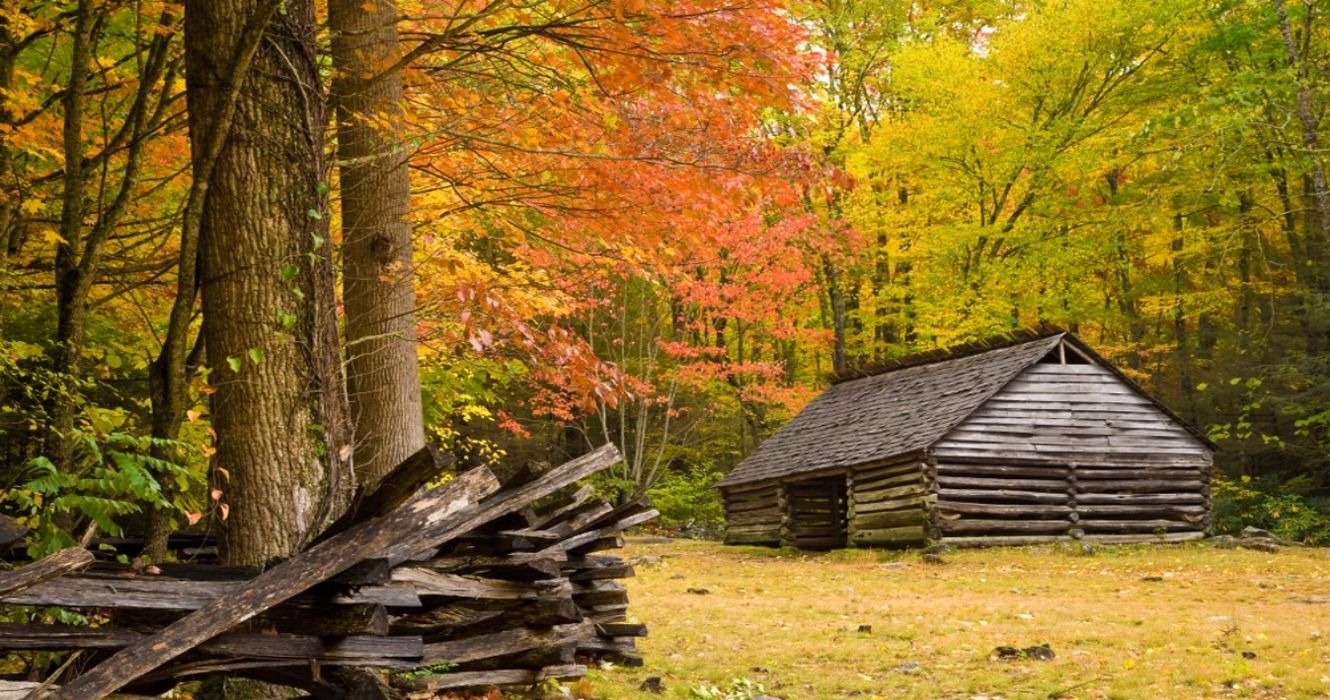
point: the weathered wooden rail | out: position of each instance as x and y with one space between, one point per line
502 584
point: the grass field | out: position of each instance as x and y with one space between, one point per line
1128 622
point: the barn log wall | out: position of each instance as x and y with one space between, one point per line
753 514
1047 501
887 505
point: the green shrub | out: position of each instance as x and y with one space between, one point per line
688 499
1281 507
114 476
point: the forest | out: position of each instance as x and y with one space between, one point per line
256 253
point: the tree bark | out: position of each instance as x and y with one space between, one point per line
279 410
382 372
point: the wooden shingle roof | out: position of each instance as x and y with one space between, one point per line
897 412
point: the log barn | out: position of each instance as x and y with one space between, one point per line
1029 438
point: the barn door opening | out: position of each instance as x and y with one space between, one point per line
817 512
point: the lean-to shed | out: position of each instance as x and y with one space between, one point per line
1030 438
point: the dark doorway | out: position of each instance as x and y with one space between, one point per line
816 512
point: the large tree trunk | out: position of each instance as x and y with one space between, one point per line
279 408
382 372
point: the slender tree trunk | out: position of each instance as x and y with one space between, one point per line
836 302
70 315
382 371
279 409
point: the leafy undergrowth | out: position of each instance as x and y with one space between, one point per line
1129 622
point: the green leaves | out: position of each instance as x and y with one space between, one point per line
112 476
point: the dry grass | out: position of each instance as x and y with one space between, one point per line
789 621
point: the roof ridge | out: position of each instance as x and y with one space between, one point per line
927 357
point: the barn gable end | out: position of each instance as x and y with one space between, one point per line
1079 412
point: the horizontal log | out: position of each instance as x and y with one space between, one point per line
959 482
888 494
974 526
1001 495
749 506
1140 486
731 490
868 473
1191 498
1143 510
1052 471
155 593
762 519
1153 474
890 519
889 536
906 503
1164 525
911 477
1023 510
29 637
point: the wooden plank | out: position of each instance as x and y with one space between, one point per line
392 490
423 543
29 637
485 646
429 582
45 569
584 538
169 594
567 505
434 510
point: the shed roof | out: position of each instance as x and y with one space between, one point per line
906 408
